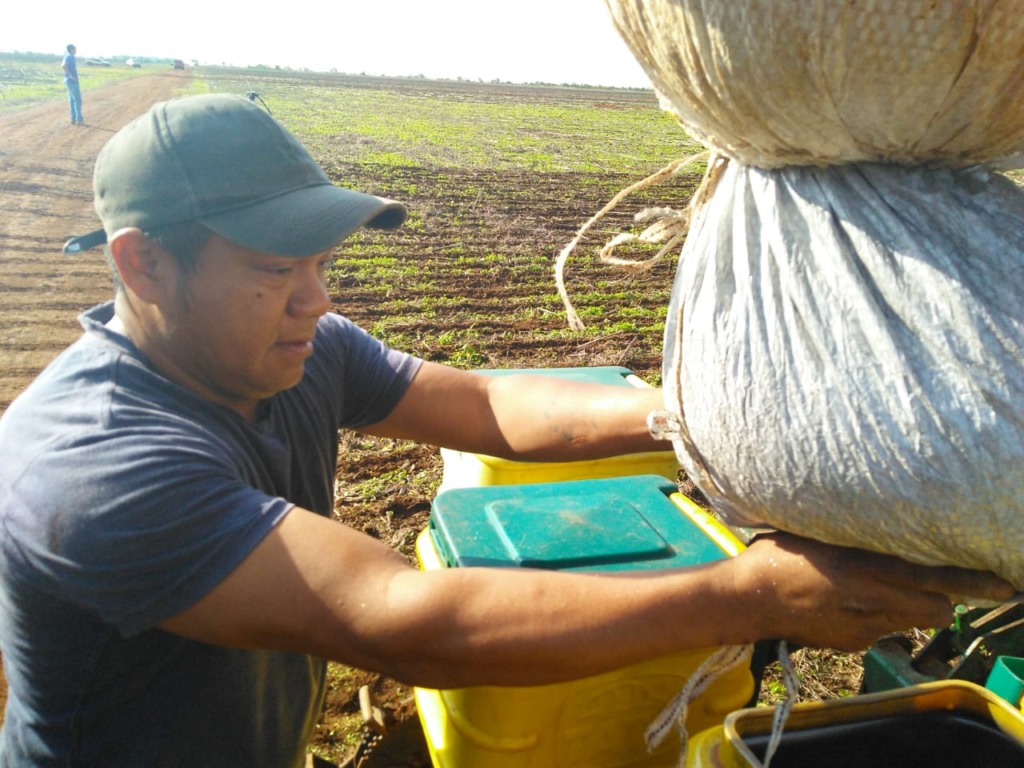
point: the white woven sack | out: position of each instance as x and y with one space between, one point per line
845 348
795 82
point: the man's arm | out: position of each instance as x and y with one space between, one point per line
316 586
525 417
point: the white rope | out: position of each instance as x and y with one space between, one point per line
792 683
715 666
674 714
669 224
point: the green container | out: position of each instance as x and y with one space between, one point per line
609 524
1006 679
608 374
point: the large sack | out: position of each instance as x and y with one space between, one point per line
845 346
794 82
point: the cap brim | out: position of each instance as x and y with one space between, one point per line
305 221
85 242
300 223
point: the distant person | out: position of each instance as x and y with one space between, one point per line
70 67
171 579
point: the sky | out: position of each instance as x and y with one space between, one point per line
554 41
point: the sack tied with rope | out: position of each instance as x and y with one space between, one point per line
844 350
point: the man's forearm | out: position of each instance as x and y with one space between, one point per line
315 586
547 419
476 626
522 417
518 627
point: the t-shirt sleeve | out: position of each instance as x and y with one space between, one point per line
160 523
139 502
360 375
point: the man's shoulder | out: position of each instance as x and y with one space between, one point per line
337 335
70 377
93 390
332 321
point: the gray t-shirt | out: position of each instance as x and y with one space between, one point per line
124 499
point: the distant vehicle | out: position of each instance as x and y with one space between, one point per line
97 62
132 63
179 64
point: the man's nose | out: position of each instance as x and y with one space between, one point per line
310 297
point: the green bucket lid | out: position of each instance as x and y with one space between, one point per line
611 524
605 374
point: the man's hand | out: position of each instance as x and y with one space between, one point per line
819 595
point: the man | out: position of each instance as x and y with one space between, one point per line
171 581
70 66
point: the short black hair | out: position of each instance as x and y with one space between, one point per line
183 241
70 46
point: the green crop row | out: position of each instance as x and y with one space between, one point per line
519 127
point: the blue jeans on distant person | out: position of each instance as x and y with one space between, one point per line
74 100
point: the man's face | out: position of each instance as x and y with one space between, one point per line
240 324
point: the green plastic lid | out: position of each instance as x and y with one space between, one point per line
609 374
620 523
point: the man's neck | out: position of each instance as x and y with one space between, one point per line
116 325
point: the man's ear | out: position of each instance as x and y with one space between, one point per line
146 269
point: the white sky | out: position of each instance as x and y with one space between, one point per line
520 41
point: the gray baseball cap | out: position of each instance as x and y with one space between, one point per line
222 161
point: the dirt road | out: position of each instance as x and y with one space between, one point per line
46 196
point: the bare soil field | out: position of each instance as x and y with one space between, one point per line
385 487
